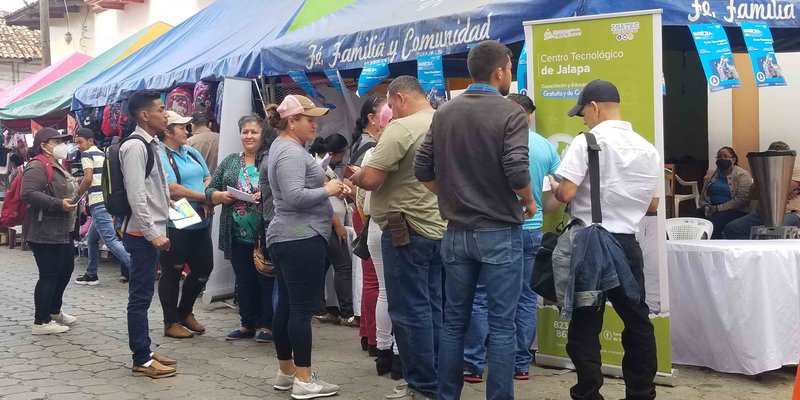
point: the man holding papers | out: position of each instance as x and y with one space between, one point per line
187 176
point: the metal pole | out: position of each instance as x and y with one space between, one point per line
44 27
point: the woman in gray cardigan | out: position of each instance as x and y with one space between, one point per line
48 190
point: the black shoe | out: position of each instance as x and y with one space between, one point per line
383 364
372 350
364 343
87 279
397 368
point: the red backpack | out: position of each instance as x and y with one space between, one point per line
14 209
180 101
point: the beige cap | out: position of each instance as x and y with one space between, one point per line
175 118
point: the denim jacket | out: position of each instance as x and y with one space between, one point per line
598 264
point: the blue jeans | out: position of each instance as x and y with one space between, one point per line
144 259
103 228
413 275
740 228
495 257
475 341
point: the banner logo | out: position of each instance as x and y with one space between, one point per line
625 30
562 33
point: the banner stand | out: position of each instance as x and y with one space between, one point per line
564 55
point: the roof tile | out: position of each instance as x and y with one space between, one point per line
17 42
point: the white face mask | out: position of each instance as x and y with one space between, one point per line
61 151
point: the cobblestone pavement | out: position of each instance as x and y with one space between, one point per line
92 361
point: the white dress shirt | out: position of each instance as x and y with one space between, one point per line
629 171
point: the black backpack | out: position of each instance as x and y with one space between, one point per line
114 194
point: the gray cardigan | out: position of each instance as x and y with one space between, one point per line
302 209
45 222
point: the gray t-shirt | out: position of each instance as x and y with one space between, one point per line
302 209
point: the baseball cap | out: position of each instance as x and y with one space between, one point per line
295 104
598 91
175 118
85 133
46 134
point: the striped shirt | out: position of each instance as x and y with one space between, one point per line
93 159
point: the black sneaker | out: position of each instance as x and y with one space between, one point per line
87 279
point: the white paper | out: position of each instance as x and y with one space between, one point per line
240 195
546 185
324 162
183 214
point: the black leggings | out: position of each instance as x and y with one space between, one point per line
300 266
56 263
188 246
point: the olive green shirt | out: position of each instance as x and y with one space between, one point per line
401 191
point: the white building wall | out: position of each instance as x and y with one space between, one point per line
12 72
118 25
81 25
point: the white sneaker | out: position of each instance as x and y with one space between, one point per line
63 318
314 389
403 392
283 381
48 328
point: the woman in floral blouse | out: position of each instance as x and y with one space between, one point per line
239 227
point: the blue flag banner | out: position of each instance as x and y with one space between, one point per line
431 77
716 56
758 39
522 71
372 75
301 79
336 79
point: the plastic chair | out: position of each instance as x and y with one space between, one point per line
689 229
671 180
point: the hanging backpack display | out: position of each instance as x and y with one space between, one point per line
218 102
204 93
180 101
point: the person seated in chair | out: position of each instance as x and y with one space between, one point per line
726 192
740 228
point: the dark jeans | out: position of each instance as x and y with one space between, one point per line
56 263
253 289
413 275
639 363
188 246
300 267
720 220
339 257
740 228
495 257
144 261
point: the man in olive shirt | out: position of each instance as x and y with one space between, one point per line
413 271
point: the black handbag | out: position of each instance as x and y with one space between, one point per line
360 248
542 279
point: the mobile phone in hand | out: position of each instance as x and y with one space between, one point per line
78 198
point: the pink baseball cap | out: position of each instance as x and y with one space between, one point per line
386 115
294 104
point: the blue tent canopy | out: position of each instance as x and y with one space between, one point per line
260 37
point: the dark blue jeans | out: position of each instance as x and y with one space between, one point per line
493 256
474 346
253 289
413 275
144 260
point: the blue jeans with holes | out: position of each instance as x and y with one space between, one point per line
103 228
413 275
495 257
475 342
144 259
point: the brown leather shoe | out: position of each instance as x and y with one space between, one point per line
191 324
156 370
164 360
177 331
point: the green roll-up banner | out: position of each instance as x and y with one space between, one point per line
563 56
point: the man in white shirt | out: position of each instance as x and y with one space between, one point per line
629 172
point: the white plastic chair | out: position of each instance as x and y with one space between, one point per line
671 179
689 229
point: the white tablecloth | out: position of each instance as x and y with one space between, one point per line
735 305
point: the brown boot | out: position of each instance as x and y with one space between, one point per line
177 331
164 360
156 370
191 324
